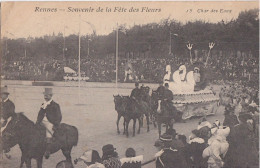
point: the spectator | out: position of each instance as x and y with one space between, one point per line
110 157
131 160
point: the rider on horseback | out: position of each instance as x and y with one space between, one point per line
50 116
7 106
136 92
160 90
168 97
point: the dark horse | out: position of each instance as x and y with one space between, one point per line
31 139
163 112
135 110
146 99
120 106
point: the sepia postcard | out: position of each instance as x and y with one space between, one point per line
151 84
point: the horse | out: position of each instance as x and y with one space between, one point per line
120 106
163 112
146 98
132 112
31 139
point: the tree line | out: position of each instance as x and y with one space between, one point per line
154 40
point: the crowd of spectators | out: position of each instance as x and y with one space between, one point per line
220 67
215 145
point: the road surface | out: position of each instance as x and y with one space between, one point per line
92 111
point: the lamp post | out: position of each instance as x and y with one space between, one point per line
64 45
79 57
79 75
170 46
116 54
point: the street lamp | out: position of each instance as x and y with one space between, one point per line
170 46
88 40
64 48
79 73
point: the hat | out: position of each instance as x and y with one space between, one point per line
196 68
166 138
130 152
4 90
107 149
47 91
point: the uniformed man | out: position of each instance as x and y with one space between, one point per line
167 98
169 157
167 94
160 90
50 116
136 92
8 107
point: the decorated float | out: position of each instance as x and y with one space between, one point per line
192 96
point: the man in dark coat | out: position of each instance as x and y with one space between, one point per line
195 149
50 116
169 157
8 107
136 92
242 152
230 118
160 90
167 99
167 94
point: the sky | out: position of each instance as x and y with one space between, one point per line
24 19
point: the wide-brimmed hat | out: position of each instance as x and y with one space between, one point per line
4 90
48 91
108 149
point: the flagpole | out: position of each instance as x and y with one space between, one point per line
170 47
79 75
64 46
116 55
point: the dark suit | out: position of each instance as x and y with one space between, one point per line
52 112
8 110
136 93
167 94
171 159
160 91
